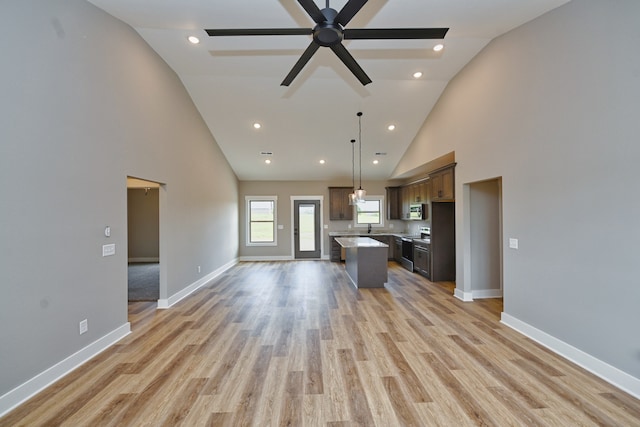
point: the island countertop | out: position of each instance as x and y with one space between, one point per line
360 242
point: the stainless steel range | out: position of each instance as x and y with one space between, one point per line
407 253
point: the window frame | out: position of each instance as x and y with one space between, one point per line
382 210
248 200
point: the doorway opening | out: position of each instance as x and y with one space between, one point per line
143 240
307 220
485 239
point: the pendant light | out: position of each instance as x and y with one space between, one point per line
360 193
352 196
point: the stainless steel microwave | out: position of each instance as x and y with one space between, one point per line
418 211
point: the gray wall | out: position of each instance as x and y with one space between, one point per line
552 108
85 103
143 224
284 190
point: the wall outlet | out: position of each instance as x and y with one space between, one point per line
198 269
84 326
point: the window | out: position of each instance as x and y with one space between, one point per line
261 220
371 211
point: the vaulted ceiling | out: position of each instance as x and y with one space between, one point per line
235 81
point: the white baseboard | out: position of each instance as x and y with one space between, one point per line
266 258
486 293
18 395
609 373
462 295
144 259
168 302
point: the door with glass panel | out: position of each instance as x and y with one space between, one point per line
306 228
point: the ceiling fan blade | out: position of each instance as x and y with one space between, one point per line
351 63
260 32
348 11
306 56
394 33
313 10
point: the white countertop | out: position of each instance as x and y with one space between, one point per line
360 242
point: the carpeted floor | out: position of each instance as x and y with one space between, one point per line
144 281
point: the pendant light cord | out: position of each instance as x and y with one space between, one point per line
360 139
353 164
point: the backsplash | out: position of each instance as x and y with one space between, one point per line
413 227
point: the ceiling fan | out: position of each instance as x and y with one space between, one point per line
329 32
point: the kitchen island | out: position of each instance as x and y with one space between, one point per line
366 261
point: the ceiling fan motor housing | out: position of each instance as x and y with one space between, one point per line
328 33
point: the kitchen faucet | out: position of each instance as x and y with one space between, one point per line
368 228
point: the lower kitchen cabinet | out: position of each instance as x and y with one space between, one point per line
336 249
422 259
397 249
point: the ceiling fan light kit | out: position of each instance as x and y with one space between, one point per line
330 32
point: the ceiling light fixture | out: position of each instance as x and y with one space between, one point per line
417 74
438 47
322 162
375 162
268 161
391 127
352 196
257 125
193 39
360 192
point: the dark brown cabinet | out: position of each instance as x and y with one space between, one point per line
405 200
422 259
339 208
442 185
336 250
397 249
394 203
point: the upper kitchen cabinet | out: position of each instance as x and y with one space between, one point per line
421 192
442 184
405 202
394 203
339 208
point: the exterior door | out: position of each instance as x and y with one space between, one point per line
306 228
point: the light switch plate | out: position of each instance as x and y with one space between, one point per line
513 243
109 250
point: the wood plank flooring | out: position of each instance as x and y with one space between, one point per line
294 344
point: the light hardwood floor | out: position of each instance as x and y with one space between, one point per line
294 344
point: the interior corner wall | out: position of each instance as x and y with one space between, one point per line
85 103
552 108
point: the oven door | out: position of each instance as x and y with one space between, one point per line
407 253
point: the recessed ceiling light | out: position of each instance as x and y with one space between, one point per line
391 127
193 39
257 125
417 74
375 162
438 47
322 162
268 161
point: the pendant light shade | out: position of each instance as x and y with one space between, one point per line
360 192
